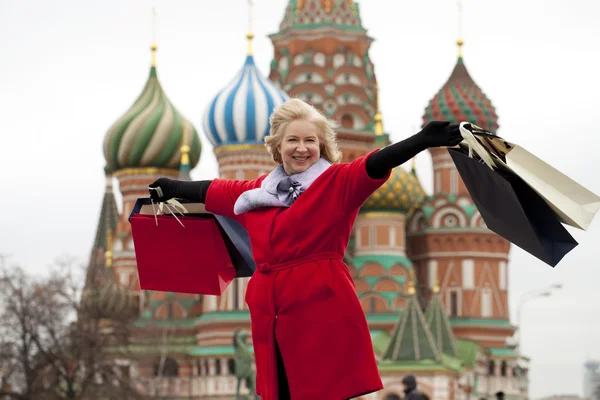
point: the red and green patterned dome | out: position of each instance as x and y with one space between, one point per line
460 99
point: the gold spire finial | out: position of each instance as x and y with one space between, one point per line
378 117
250 35
460 43
153 46
436 286
185 148
108 253
411 282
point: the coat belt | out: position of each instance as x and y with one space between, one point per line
267 267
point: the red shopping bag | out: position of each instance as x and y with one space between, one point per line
186 254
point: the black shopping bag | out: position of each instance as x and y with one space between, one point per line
514 210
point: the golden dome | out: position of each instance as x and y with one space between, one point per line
402 192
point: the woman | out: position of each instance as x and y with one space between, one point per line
310 334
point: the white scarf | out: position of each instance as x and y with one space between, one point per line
279 189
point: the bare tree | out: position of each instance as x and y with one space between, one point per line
58 341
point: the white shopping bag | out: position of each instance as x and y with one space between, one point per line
573 204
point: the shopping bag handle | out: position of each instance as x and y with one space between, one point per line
474 145
172 206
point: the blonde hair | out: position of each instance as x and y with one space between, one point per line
296 109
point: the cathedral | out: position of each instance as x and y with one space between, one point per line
432 279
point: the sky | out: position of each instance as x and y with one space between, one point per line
69 69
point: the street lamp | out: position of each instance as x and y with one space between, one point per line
534 294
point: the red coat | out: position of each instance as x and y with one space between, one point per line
302 294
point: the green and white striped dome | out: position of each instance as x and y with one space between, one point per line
151 133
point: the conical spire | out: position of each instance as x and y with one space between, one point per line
461 99
438 323
101 254
411 339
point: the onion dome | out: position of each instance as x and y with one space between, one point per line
240 112
397 194
151 133
460 99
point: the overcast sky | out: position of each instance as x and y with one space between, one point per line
69 69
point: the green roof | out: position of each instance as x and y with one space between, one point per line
411 339
380 339
500 323
439 326
386 261
215 351
226 315
467 351
383 317
502 352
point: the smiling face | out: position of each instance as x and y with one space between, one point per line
299 147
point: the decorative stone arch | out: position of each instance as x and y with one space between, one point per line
373 303
387 285
362 285
306 68
440 218
476 220
352 71
372 269
399 302
418 221
350 90
170 310
360 116
347 121
351 269
398 270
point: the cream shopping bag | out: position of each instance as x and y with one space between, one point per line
574 204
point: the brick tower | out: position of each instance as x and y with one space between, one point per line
448 239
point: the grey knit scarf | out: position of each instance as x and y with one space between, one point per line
279 189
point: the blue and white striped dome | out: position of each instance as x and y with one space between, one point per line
240 112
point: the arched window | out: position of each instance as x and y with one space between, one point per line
491 368
231 366
169 368
347 121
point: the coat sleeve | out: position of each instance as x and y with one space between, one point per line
356 183
222 195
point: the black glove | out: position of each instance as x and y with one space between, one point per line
434 134
440 133
164 189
